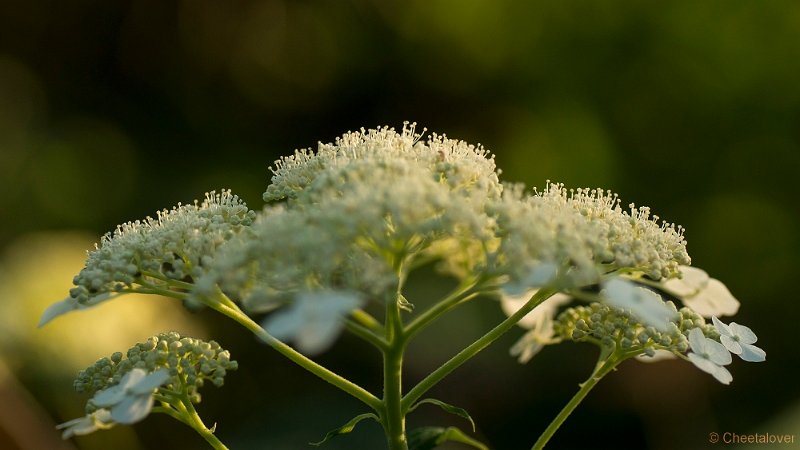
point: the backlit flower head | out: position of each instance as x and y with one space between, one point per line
585 232
461 166
177 244
356 208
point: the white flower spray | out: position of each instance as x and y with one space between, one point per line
343 229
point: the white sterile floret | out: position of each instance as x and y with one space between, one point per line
98 420
538 276
70 304
314 320
539 322
643 303
705 295
709 356
739 340
132 398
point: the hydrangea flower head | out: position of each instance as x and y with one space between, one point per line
177 244
124 386
586 231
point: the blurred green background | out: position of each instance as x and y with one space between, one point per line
112 110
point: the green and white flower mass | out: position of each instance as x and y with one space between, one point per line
343 229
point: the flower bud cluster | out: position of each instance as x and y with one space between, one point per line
614 328
190 363
177 244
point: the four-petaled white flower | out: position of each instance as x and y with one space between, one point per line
739 340
314 319
705 295
132 398
709 356
539 322
643 303
98 420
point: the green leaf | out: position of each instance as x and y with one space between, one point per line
346 428
460 412
428 438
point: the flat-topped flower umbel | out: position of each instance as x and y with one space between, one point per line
344 227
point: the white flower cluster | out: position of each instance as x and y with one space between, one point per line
123 388
638 320
461 166
177 244
356 209
586 232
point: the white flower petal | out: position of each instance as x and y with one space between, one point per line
731 344
132 409
720 373
70 304
714 300
660 355
532 343
702 362
723 329
691 282
745 334
110 396
717 352
132 378
313 320
697 340
643 303
549 307
98 420
57 309
751 353
150 382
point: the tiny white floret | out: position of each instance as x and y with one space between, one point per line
709 356
98 420
705 295
739 340
132 398
643 303
539 322
313 320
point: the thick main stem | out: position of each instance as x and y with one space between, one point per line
601 371
393 416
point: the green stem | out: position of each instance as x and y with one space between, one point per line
463 292
473 349
365 334
197 423
601 371
393 417
228 308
